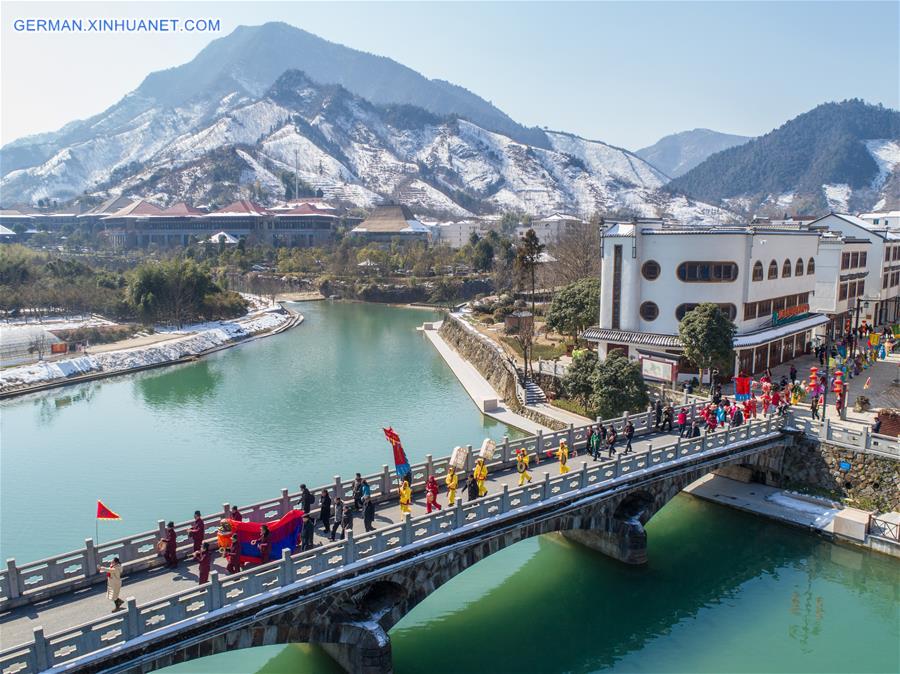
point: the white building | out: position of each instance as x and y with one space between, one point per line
456 234
870 277
549 229
888 219
652 274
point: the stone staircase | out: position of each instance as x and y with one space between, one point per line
533 394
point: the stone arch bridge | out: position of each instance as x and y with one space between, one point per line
347 595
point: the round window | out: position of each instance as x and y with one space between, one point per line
650 270
649 311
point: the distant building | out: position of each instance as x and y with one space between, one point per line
549 229
387 223
456 234
889 219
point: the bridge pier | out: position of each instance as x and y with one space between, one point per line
625 541
363 648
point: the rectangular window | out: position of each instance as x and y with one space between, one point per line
790 301
845 261
862 259
884 281
617 288
778 304
843 292
749 311
765 308
895 278
854 260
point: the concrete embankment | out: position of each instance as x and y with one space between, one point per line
214 337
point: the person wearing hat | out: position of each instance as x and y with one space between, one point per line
405 496
480 473
563 455
113 582
522 466
452 482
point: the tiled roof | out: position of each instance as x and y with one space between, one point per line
241 207
391 219
597 334
135 209
182 208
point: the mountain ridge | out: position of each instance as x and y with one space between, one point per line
677 153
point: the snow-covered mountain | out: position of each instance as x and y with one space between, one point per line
353 150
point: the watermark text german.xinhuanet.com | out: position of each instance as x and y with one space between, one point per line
100 25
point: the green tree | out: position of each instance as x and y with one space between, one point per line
575 307
483 255
528 252
707 336
578 380
618 386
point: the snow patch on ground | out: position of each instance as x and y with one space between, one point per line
886 153
204 337
838 196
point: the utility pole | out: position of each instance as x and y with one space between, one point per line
296 171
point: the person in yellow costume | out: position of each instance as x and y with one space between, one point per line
480 474
522 466
405 496
452 482
563 455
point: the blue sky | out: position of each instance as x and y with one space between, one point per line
626 73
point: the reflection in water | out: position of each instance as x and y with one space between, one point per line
180 385
51 406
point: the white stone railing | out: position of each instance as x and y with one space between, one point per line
35 581
367 550
858 438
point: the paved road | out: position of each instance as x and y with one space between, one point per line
57 614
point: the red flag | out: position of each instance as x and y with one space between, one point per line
400 460
104 513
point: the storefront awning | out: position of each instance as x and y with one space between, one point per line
597 334
770 334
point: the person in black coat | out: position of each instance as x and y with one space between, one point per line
658 410
368 513
306 534
325 511
306 499
471 488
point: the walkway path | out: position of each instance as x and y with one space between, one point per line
62 612
479 389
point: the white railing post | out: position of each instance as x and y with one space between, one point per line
429 465
504 450
539 443
618 465
546 490
504 499
285 502
132 621
570 437
866 437
385 480
337 486
349 548
226 510
161 525
458 520
470 459
13 579
90 558
41 650
287 567
216 596
582 483
406 530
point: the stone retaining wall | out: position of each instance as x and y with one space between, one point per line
492 367
869 480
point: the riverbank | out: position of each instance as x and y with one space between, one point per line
173 348
479 389
815 514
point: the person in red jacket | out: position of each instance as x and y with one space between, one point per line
196 531
170 541
234 555
265 548
431 494
204 556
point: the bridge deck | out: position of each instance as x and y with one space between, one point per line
80 606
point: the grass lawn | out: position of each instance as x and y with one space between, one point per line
538 351
572 406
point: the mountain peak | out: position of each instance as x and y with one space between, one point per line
678 153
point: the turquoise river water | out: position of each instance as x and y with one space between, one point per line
723 591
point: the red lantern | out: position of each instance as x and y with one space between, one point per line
813 376
838 382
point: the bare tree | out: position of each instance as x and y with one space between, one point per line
38 345
525 337
577 253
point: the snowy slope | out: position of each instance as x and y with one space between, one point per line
356 153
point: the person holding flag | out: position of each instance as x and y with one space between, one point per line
113 582
405 496
400 461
